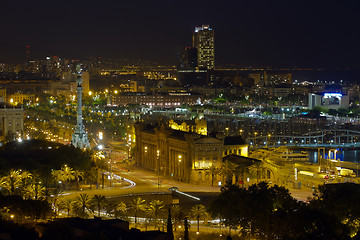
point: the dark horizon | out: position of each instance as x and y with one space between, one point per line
281 33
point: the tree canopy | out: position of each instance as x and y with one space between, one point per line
272 213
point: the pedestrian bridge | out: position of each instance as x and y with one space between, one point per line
323 138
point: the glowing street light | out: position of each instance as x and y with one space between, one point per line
158 165
268 139
255 133
227 131
179 170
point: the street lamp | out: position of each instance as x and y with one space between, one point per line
110 163
179 172
158 166
241 131
255 139
268 139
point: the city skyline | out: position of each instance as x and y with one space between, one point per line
247 33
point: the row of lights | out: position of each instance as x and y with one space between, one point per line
158 154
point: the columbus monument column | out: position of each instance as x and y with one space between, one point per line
79 138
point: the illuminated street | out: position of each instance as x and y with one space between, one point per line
180 120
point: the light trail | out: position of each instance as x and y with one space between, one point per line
117 177
188 195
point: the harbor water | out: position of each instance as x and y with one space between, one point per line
348 155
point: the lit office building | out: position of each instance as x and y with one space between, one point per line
203 40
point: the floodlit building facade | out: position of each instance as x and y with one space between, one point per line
11 121
20 98
184 156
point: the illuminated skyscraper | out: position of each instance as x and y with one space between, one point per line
203 40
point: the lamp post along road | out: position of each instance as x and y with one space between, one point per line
179 171
158 166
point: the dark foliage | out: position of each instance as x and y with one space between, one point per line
271 213
20 208
10 230
41 156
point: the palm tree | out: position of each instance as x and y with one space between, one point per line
98 201
121 209
213 171
26 178
82 203
178 216
227 171
257 170
67 204
57 174
100 165
57 205
64 175
92 176
240 171
155 208
78 174
198 211
11 181
34 191
67 174
137 205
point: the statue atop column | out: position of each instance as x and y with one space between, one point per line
79 138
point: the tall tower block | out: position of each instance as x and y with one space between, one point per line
203 40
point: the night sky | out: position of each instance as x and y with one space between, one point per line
252 32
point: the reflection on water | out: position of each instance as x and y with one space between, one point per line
343 155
